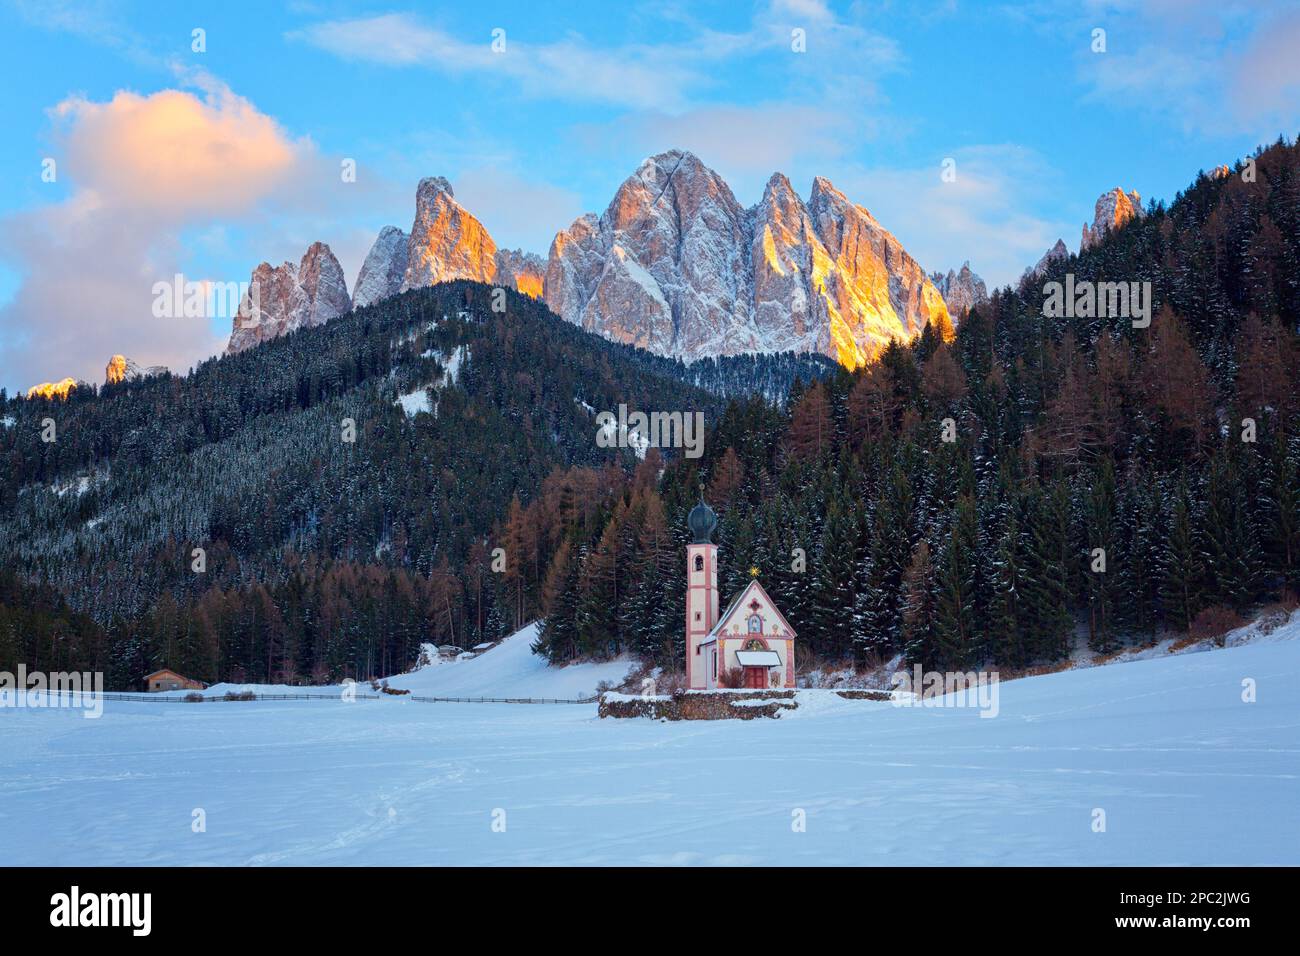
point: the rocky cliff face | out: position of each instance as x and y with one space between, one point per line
1054 254
524 270
1113 209
122 369
288 297
382 273
446 241
58 389
663 268
961 289
676 265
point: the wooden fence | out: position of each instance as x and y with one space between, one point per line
239 698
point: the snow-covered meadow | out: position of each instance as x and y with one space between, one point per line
1185 770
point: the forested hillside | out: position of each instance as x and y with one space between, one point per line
323 556
1100 475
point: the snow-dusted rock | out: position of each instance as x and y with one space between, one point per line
961 289
1113 209
574 264
1057 253
120 369
676 265
288 297
524 270
385 266
785 256
876 291
446 242
665 267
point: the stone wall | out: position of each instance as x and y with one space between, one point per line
709 705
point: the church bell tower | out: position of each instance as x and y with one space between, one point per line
701 589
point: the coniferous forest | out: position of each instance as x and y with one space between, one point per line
1100 479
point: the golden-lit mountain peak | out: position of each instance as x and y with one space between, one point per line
57 390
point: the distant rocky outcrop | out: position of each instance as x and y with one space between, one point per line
1113 209
382 273
961 289
1057 253
58 389
288 297
526 271
122 369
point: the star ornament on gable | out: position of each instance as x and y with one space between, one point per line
753 572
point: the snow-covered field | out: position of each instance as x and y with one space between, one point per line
1185 771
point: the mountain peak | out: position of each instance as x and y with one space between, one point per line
962 289
446 242
52 390
1112 210
384 268
120 368
677 266
288 297
435 184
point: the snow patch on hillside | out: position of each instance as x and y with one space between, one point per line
511 669
508 669
415 402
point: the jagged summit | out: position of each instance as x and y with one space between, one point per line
122 369
677 265
674 264
385 266
288 297
962 289
1113 209
1057 253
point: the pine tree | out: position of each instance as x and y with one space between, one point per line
1180 564
1047 571
919 607
1102 561
955 607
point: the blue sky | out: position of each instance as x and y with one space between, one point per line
208 162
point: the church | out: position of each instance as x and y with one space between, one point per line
751 636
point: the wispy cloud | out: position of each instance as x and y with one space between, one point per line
1218 67
572 69
669 76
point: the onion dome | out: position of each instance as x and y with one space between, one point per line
702 521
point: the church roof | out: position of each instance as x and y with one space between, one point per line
745 592
758 658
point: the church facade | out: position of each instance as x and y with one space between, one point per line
750 640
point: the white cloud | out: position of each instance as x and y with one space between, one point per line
989 214
143 169
1217 67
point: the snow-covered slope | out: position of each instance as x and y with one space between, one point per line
1185 770
511 669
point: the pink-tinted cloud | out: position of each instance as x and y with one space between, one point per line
143 170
